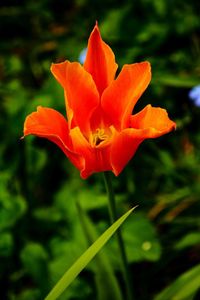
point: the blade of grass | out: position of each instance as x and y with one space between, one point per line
106 282
85 258
183 287
120 241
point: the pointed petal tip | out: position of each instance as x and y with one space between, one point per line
96 32
143 66
59 71
115 172
146 64
100 60
52 67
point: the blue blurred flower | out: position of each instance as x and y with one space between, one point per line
194 95
82 56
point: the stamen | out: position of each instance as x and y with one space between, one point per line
98 137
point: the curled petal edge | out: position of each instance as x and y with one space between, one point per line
126 142
40 124
153 120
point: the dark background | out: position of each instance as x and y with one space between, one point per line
40 233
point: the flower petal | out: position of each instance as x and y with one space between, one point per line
50 124
81 94
123 148
59 72
95 159
119 99
153 120
100 61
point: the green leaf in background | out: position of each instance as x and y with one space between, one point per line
184 287
142 246
176 81
34 258
6 244
38 184
84 259
191 239
29 294
139 247
11 210
86 197
12 206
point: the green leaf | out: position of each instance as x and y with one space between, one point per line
34 258
27 294
11 208
86 197
85 258
6 244
139 247
106 283
142 246
177 81
191 239
184 287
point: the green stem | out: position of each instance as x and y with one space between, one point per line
113 218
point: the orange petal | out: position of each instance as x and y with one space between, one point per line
119 99
153 120
100 61
59 72
81 94
123 148
95 160
50 124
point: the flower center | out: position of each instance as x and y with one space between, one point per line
98 137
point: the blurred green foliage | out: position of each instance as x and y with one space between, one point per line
40 231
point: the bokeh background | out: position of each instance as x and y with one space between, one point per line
40 231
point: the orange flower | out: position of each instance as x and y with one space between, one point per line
100 134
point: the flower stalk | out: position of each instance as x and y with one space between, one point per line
113 218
